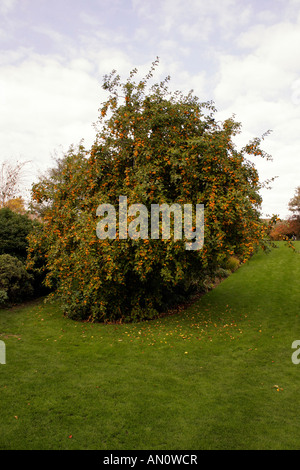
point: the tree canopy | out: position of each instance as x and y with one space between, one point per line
152 146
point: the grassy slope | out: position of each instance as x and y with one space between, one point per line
202 379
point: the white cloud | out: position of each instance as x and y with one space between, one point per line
45 104
240 54
194 19
7 6
261 88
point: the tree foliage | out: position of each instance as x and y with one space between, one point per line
16 204
154 147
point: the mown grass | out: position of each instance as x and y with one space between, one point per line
200 379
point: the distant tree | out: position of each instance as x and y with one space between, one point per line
11 175
17 204
294 204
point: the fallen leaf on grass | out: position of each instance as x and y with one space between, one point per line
278 389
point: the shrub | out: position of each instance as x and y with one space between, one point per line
14 230
153 147
3 298
15 281
286 229
222 273
232 264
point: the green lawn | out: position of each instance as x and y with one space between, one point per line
201 379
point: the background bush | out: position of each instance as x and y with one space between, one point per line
3 298
232 263
15 281
14 231
286 229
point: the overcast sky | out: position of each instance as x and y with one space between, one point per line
243 55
